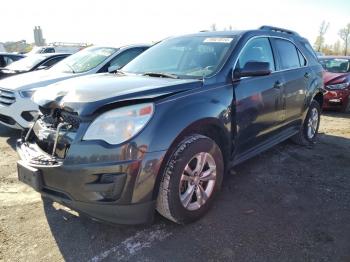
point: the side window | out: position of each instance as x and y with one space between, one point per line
49 50
257 50
302 59
2 61
16 58
125 57
52 61
309 48
8 60
288 54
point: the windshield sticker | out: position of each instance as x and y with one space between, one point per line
225 40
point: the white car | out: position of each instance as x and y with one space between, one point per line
58 48
17 110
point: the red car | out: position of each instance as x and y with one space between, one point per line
337 82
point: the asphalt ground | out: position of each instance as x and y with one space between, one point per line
290 203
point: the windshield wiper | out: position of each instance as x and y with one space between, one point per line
70 67
160 74
120 72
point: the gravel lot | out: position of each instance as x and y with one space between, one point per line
290 203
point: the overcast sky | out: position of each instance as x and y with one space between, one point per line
115 22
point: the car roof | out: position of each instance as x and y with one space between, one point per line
263 30
334 57
48 55
135 46
5 53
218 33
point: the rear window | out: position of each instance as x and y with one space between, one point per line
302 59
288 54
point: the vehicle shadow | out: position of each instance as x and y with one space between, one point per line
337 114
273 202
11 135
80 238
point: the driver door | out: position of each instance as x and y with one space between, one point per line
258 99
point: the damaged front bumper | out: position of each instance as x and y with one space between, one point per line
110 183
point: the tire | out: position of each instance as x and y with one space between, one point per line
175 201
304 137
346 108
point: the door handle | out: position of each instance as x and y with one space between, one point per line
278 85
307 75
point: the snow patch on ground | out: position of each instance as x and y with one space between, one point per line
132 245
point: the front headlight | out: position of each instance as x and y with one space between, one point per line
338 86
119 125
27 93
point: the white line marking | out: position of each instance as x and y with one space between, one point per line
133 244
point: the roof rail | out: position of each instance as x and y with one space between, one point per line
278 29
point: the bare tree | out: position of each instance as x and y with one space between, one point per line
213 27
337 48
345 36
320 38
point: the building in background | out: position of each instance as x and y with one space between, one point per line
20 47
38 36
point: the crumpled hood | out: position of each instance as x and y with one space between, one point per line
335 78
33 79
86 94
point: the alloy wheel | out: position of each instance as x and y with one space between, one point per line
312 123
197 181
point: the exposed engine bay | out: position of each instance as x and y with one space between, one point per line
53 132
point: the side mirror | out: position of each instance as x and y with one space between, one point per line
42 67
113 68
252 69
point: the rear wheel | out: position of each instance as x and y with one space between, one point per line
191 179
347 107
309 130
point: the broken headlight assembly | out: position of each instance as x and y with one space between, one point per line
121 124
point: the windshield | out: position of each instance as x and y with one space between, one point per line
336 65
191 56
26 63
84 60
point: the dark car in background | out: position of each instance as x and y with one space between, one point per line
161 133
32 63
8 58
337 82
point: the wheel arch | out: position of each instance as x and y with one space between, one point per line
319 98
210 127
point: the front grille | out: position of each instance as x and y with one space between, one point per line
7 97
7 120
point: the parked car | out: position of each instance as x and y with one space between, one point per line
160 134
17 110
31 63
337 82
319 54
8 58
58 47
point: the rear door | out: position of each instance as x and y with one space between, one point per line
292 68
258 99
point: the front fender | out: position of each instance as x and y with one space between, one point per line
174 116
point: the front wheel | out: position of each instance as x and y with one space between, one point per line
309 130
191 179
